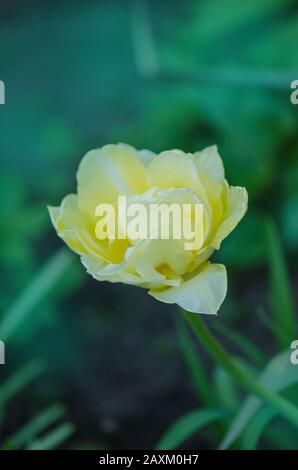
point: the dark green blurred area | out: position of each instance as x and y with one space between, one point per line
156 75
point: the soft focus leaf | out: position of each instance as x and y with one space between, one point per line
36 425
279 374
280 290
256 427
54 438
186 426
34 292
250 350
194 364
290 220
19 380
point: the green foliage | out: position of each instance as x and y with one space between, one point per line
28 435
194 365
277 376
18 381
256 427
226 391
32 295
251 351
188 425
28 432
53 438
281 298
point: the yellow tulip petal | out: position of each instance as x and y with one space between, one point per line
203 293
111 272
209 161
107 172
67 221
236 206
145 156
78 231
172 169
175 169
159 253
215 192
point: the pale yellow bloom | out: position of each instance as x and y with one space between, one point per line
169 272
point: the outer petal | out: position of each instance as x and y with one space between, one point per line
204 293
68 222
77 231
125 271
173 169
110 272
215 191
209 161
237 200
144 155
107 172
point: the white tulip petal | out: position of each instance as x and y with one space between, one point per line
209 161
237 200
204 293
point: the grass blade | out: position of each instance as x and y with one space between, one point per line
269 323
186 426
34 292
261 388
249 349
256 428
194 365
54 438
278 375
36 425
226 390
19 380
280 291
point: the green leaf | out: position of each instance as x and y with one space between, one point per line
249 349
186 426
279 374
45 280
241 374
19 380
226 390
289 217
53 439
280 291
256 428
36 425
194 365
279 433
269 323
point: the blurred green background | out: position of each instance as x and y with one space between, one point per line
107 368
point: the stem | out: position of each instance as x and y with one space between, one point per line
285 408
